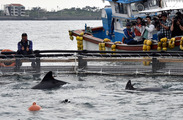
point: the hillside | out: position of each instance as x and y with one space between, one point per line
37 13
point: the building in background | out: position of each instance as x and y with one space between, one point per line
14 10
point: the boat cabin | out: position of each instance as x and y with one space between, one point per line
114 18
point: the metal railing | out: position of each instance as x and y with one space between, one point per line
158 62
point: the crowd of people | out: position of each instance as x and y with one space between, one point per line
162 25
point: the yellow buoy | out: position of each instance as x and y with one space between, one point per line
82 33
144 47
117 42
181 42
148 48
103 49
70 33
100 45
107 40
145 41
103 44
164 49
113 46
164 39
71 38
159 48
164 44
81 38
181 38
173 39
77 38
159 44
147 63
181 47
149 42
100 48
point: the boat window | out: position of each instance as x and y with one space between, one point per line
153 3
121 8
134 8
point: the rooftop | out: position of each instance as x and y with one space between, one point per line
15 5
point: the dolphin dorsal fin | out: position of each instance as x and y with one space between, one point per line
48 77
129 86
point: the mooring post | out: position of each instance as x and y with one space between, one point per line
17 64
154 65
81 63
38 65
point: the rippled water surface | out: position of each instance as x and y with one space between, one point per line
93 97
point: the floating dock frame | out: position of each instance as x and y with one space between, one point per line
96 62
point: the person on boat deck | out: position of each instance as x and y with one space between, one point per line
164 30
177 26
129 35
148 33
25 45
138 29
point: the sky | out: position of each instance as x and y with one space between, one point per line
55 4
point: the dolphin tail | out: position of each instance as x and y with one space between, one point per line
129 86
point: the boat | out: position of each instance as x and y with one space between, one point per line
114 17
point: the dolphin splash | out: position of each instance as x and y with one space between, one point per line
49 82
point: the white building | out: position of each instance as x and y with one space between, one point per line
14 10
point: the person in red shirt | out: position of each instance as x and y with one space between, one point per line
138 30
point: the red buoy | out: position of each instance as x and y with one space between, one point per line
34 107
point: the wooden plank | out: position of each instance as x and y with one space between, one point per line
117 60
58 60
166 60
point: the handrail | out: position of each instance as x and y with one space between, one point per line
93 53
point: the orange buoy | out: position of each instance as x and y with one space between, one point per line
34 107
7 64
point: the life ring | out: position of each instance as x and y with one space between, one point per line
171 43
7 64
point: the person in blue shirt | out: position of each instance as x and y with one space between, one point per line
24 48
25 45
129 36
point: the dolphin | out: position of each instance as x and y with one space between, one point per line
49 82
129 86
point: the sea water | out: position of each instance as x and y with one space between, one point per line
93 97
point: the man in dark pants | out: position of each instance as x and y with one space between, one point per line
24 48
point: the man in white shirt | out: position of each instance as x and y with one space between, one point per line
148 32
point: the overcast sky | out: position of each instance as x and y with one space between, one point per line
55 4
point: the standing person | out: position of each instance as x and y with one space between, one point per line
138 30
177 26
25 45
148 33
164 30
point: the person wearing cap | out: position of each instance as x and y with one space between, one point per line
129 35
164 30
25 45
